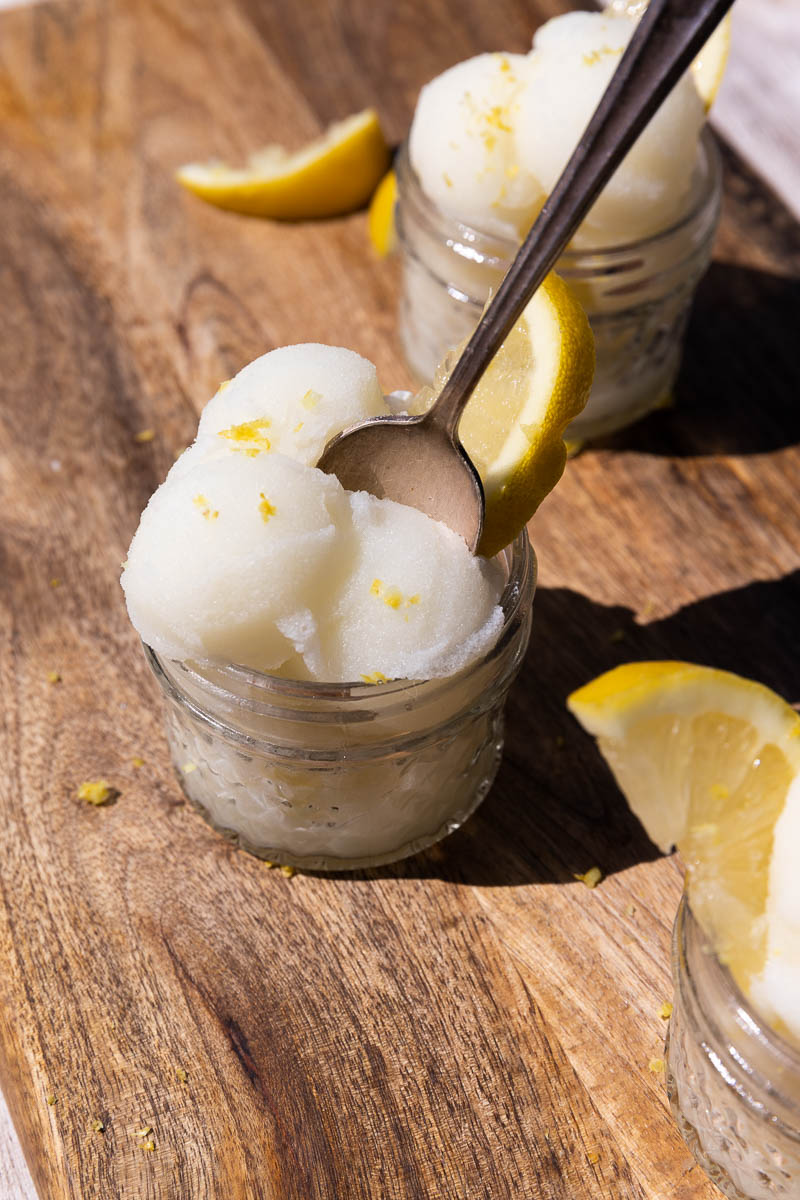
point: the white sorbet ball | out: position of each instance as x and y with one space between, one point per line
462 145
777 990
230 560
415 605
291 401
569 68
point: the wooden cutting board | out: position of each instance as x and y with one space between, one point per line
474 1022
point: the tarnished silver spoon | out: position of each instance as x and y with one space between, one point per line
419 460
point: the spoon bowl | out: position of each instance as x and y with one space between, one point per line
414 461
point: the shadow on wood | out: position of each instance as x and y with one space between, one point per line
737 390
555 810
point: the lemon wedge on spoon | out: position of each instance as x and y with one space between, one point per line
513 425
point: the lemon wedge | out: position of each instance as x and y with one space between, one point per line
336 173
709 66
708 761
513 425
380 218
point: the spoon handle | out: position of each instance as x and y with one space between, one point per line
669 35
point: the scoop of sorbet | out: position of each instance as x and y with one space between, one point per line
248 554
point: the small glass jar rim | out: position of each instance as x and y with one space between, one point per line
747 1017
522 565
475 236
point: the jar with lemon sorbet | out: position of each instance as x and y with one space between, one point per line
334 666
733 1079
710 763
488 141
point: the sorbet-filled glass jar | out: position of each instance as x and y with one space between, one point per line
734 1084
637 296
339 776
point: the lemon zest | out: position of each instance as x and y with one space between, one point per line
266 509
249 436
97 792
206 510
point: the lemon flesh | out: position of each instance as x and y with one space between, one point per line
514 422
334 174
380 218
706 760
709 66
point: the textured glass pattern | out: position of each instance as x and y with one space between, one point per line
734 1087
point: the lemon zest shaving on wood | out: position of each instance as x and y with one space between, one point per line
97 792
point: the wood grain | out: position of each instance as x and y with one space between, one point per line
474 1022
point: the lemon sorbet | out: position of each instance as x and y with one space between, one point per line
335 665
488 141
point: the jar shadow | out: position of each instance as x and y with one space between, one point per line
737 389
555 810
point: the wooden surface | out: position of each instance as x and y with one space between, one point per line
474 1022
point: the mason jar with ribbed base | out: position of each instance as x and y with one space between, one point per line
637 295
734 1083
333 776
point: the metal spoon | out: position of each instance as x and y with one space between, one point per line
419 460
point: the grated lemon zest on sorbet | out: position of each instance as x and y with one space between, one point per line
392 596
206 510
249 436
266 509
311 399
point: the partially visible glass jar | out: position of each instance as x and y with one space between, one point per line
333 776
734 1084
637 296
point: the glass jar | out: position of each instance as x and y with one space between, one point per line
734 1084
332 776
637 296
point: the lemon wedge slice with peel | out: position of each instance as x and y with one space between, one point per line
513 425
709 66
706 760
334 174
380 219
